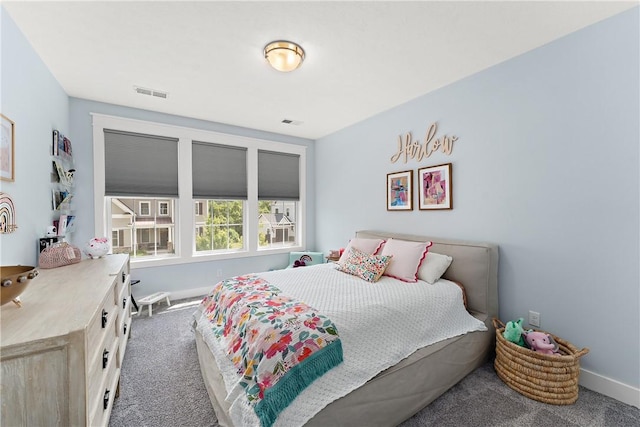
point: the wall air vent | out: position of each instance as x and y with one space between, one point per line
291 122
150 92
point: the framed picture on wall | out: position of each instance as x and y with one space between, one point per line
7 147
435 187
400 191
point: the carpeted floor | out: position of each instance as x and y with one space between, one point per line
161 385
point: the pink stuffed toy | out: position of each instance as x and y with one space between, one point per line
541 342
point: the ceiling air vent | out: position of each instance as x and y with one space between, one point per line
291 122
150 92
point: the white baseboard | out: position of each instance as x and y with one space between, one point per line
191 293
612 388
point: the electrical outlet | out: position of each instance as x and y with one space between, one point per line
219 272
534 318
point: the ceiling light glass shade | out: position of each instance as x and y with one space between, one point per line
283 55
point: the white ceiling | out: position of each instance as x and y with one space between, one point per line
362 58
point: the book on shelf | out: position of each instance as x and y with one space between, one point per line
71 223
60 172
61 199
61 145
62 225
64 176
54 145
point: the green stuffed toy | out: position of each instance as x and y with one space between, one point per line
513 332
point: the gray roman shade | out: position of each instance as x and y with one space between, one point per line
219 171
278 176
140 165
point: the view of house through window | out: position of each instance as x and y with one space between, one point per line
219 225
142 227
277 224
246 195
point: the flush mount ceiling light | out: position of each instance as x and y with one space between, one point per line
283 55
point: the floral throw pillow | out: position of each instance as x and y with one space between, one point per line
363 265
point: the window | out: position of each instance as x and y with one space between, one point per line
145 209
219 174
177 195
274 228
278 191
142 236
163 208
198 208
222 228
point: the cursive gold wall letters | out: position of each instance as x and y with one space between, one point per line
418 151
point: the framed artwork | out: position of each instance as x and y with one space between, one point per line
400 191
7 147
435 187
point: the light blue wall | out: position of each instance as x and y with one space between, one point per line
546 166
178 277
33 99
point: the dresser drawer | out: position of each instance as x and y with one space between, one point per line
102 326
99 369
124 329
124 297
102 388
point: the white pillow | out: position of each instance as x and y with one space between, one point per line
407 257
434 267
368 246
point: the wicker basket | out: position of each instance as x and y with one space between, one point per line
542 377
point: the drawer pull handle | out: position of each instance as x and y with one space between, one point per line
125 329
105 358
104 318
124 302
105 400
124 277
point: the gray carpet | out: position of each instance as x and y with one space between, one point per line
161 385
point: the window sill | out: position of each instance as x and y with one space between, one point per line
177 260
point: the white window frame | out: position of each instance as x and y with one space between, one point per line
198 208
148 205
184 205
160 208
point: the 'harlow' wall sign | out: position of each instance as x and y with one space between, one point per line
418 151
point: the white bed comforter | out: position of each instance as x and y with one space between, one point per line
408 315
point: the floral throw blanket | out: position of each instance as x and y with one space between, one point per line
278 345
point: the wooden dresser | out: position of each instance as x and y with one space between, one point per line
61 352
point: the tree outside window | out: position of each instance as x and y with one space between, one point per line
223 226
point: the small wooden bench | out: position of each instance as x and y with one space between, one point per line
153 298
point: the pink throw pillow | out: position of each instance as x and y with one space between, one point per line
368 246
407 258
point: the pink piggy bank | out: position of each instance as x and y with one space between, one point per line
97 247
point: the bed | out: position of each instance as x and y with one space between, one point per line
400 390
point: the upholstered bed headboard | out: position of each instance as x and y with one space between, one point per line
475 265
